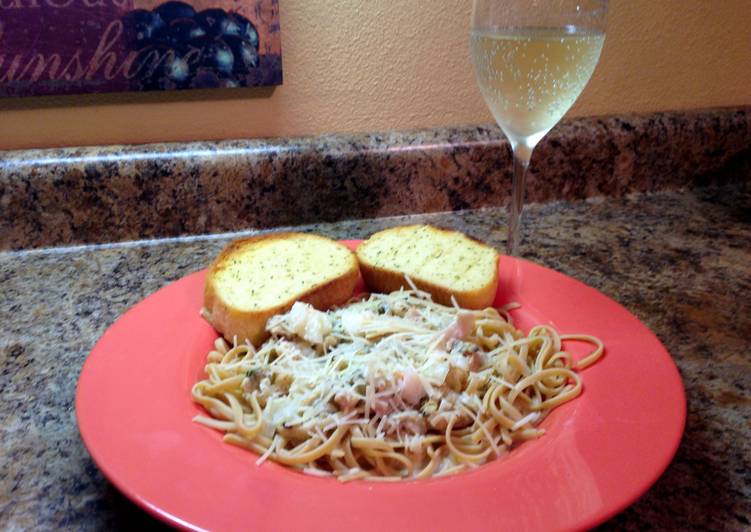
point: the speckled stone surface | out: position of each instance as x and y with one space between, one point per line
681 261
115 193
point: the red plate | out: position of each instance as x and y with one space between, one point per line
601 451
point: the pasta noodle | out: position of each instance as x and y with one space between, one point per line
391 387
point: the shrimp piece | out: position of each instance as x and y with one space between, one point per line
412 389
459 329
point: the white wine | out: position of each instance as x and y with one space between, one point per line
530 77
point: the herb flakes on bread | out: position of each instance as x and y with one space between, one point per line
254 278
438 261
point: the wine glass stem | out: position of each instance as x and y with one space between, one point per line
521 162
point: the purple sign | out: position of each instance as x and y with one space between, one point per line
84 46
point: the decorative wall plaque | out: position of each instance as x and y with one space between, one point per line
85 46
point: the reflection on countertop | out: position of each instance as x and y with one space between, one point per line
680 261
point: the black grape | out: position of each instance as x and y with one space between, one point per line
141 27
206 79
214 21
176 71
244 29
218 56
182 33
246 56
219 23
164 68
174 10
228 82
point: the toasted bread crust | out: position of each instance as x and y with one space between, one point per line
242 325
386 278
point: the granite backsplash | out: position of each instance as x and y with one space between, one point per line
113 193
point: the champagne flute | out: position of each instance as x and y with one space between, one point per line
532 58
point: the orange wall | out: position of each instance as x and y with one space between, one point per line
368 65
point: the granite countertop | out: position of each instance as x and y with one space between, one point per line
100 194
680 261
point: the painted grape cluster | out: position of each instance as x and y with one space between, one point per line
180 48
